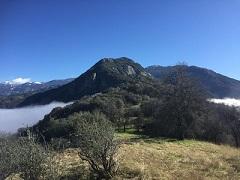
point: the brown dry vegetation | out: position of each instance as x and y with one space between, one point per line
155 158
147 158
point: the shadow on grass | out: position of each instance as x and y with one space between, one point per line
133 136
234 162
76 174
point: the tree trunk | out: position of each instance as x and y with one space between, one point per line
236 142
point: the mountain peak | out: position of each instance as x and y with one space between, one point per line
119 67
106 60
106 73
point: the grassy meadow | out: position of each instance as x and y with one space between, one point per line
142 157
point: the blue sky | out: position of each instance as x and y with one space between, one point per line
54 39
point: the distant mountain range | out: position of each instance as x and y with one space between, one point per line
14 92
10 88
215 84
112 73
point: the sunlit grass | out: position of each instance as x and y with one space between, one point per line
160 158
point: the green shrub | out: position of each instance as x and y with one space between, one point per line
94 136
24 156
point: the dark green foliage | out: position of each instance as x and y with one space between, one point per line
181 111
139 122
12 101
57 128
213 126
115 112
130 98
113 103
175 114
231 116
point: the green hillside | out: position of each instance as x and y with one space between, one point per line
105 74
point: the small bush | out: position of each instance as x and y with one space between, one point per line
24 156
94 136
8 151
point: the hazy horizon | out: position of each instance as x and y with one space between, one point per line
13 119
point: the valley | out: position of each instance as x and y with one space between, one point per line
119 90
168 123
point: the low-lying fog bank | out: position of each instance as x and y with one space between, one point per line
13 119
227 101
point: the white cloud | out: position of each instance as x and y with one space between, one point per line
37 82
227 101
19 81
13 119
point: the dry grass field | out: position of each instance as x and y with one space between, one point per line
147 158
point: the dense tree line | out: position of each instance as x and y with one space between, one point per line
177 107
185 112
